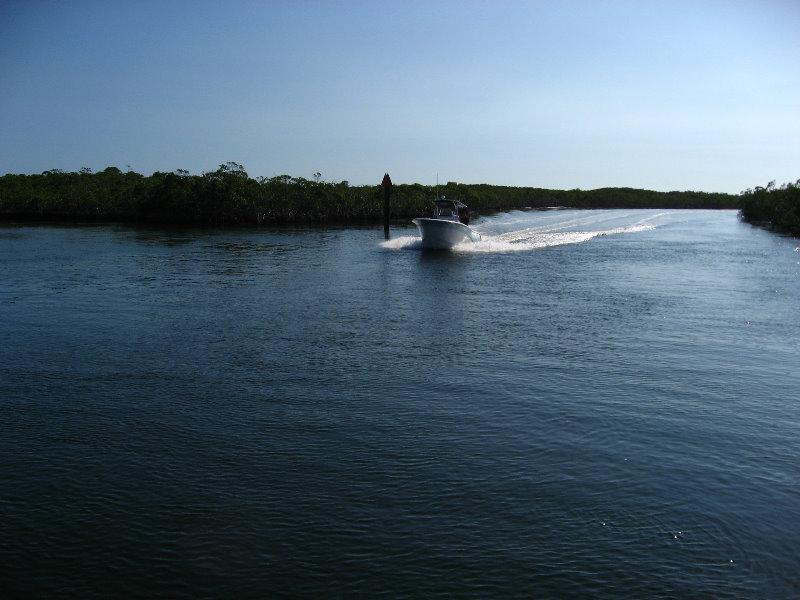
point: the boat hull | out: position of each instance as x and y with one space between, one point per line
440 233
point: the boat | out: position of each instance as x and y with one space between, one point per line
448 226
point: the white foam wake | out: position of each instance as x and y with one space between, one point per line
516 241
549 229
405 242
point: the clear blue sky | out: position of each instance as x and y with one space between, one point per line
668 95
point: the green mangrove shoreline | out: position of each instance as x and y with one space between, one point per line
776 207
229 197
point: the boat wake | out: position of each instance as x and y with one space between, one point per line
533 239
404 242
543 229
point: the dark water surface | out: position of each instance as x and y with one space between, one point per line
598 404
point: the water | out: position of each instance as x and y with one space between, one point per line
586 404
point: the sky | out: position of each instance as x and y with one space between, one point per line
663 95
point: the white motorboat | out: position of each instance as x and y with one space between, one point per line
448 227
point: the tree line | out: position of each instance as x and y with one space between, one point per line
229 196
778 207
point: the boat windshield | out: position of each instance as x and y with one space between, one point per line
447 209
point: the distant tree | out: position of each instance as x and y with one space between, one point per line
779 207
228 195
